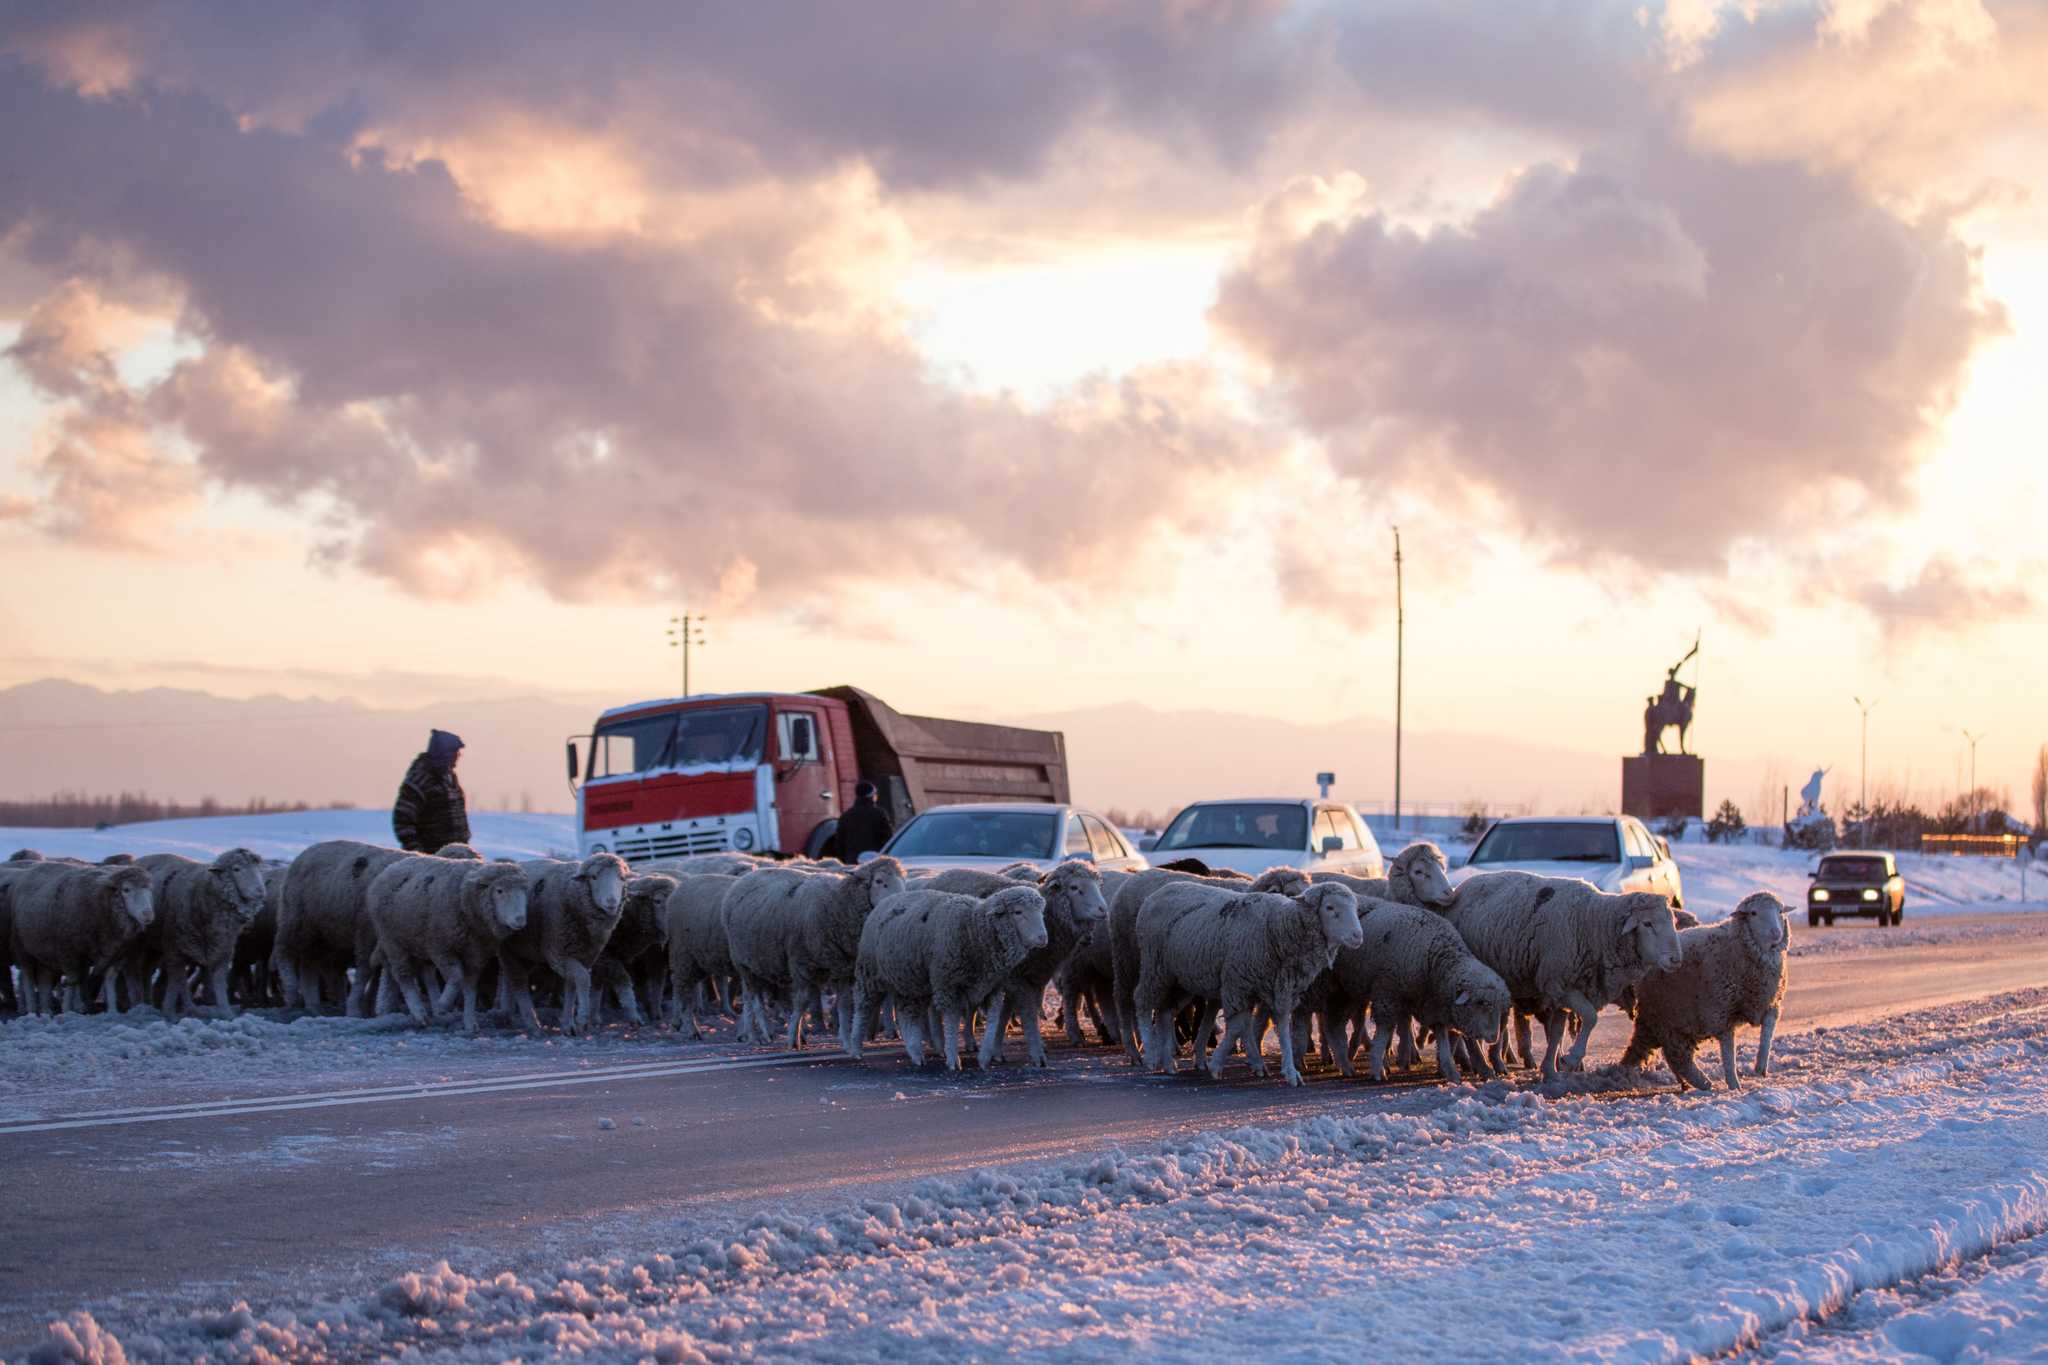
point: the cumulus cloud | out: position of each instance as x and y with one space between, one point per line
1945 597
1648 355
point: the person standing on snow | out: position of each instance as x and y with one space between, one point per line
864 828
431 811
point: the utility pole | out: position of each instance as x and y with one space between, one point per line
1863 765
1972 797
683 632
1400 630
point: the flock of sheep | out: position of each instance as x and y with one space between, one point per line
1152 959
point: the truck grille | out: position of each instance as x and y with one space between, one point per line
676 845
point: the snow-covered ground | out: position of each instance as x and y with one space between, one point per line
496 834
1884 1193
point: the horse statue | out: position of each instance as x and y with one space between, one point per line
1809 795
1672 706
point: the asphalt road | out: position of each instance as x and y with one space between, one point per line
331 1192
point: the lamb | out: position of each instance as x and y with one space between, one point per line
72 924
945 952
698 952
571 910
1123 928
1074 905
1729 973
322 926
637 953
1411 965
1560 945
202 909
448 913
1243 948
797 933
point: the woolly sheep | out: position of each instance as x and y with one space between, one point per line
1728 974
72 924
1412 965
940 951
1243 948
634 963
464 851
1417 875
251 978
8 1000
322 927
571 910
1560 945
796 933
25 855
706 864
447 913
202 909
1074 905
698 952
1123 928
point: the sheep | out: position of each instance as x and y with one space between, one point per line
322 927
250 977
72 924
636 955
1411 965
571 910
940 951
1198 942
1729 973
1417 875
698 952
202 909
25 855
463 851
706 864
1123 928
1560 944
796 933
1073 906
8 1000
450 913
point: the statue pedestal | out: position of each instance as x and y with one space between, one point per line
1654 786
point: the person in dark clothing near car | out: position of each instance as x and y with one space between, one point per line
865 827
431 811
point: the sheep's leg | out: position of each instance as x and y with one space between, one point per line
1406 1052
954 1028
1728 1058
843 1007
1233 1028
1158 1055
992 1035
575 995
416 1003
1553 1037
1290 1068
1588 1013
1522 1045
1126 1010
512 977
1205 1035
1446 1060
912 1025
1763 1042
451 990
1385 1024
622 985
1071 1000
221 1004
1683 1067
683 998
799 1013
857 1036
1034 1037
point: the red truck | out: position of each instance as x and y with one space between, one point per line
769 772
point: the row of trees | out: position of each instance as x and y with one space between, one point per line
77 810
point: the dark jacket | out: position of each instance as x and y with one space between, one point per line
865 827
431 810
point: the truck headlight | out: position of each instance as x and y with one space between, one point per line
599 848
1869 894
1820 893
743 838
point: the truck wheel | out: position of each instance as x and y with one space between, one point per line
814 847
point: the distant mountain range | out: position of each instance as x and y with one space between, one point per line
180 744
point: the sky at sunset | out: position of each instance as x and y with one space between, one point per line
1025 358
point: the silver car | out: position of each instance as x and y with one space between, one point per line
1252 835
1614 852
992 834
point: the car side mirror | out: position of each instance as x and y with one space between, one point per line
574 766
1332 844
1640 861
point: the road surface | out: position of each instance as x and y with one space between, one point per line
275 1192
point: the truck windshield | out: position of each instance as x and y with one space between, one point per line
978 834
1548 841
720 736
1238 824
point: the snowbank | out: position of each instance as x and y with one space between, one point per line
496 834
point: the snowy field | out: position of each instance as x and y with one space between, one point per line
1883 1195
496 834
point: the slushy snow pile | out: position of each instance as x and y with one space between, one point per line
1592 1220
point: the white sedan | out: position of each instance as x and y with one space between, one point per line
1614 852
990 835
1251 836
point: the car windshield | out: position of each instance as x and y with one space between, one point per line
1853 869
1549 841
1238 824
978 834
722 736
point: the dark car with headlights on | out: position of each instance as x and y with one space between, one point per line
1866 884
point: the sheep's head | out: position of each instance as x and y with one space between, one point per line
25 855
1018 915
647 903
1762 916
498 893
1079 887
238 874
1648 930
604 878
1280 881
1479 1003
1420 875
881 878
125 892
1336 906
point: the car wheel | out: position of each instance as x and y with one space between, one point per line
1813 919
1830 918
1899 913
1885 920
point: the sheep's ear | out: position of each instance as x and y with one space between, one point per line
1743 911
1464 998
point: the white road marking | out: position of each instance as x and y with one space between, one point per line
430 1090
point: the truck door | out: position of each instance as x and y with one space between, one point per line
806 781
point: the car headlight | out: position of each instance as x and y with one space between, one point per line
1820 893
1869 894
743 838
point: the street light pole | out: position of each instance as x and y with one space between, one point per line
1863 764
1400 630
1972 797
